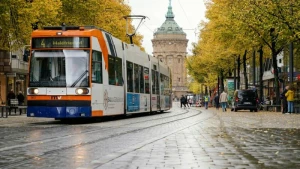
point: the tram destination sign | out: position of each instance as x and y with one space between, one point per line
61 42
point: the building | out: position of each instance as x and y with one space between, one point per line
13 73
170 46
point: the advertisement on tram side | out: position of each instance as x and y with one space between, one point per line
133 102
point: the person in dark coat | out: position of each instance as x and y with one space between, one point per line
10 95
284 101
182 101
217 103
20 98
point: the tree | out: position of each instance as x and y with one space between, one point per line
18 17
238 26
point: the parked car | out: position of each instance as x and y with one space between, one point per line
245 100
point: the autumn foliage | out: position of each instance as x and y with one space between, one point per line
239 27
19 17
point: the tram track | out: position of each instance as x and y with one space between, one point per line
111 136
40 125
92 131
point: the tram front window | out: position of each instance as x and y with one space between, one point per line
59 68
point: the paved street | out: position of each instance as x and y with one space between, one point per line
180 138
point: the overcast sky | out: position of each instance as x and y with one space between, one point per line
188 15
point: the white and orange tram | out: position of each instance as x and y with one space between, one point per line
84 72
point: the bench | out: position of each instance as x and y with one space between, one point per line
14 103
6 110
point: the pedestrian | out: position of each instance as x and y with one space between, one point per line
206 100
199 103
186 102
20 98
290 99
284 101
217 103
10 95
182 101
223 100
190 102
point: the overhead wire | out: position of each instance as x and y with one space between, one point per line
184 13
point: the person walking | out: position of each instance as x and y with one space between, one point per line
20 98
182 101
284 101
10 95
206 100
186 102
223 100
217 103
190 102
200 102
290 99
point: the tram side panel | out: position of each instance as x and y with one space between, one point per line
155 98
113 89
137 80
164 82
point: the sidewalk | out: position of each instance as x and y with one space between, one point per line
17 119
228 140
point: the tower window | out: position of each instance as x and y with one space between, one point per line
178 60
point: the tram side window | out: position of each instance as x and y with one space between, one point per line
156 83
136 78
153 81
167 85
119 77
146 77
115 71
162 84
141 73
129 76
97 67
111 70
155 88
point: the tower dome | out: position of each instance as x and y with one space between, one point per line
169 26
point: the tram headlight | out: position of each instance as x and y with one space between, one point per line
81 91
36 91
33 91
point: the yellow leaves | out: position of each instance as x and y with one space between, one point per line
236 26
17 17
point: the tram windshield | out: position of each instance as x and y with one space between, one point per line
59 68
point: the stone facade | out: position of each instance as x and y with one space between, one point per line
170 46
13 74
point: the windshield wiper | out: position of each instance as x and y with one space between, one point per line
79 78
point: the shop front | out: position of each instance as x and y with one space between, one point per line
11 81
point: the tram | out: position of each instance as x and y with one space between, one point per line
85 72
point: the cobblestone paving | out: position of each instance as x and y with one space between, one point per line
184 138
229 140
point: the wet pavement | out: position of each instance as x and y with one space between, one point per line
180 138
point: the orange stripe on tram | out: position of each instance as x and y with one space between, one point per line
86 98
103 48
97 113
